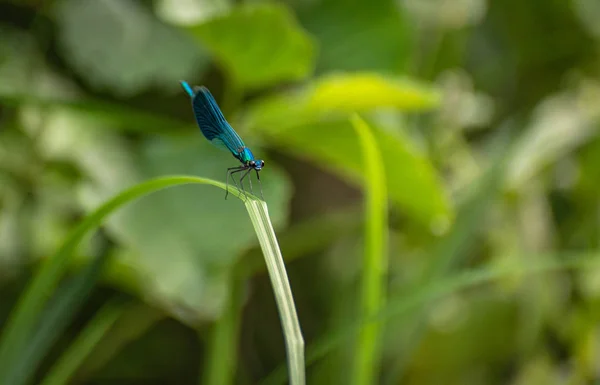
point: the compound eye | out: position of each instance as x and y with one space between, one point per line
262 163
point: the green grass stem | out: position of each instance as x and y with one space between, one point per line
375 259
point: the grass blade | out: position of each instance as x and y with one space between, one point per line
450 252
53 322
137 320
283 294
62 372
375 262
222 351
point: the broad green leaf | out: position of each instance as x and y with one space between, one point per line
258 45
342 93
359 35
368 90
119 45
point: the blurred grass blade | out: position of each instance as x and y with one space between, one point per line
137 319
375 261
66 367
20 326
222 352
448 254
54 320
283 294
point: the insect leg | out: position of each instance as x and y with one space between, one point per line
230 171
250 181
242 179
260 184
241 184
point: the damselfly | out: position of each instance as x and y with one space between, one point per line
219 132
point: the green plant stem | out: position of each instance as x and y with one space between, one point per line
283 293
375 261
222 353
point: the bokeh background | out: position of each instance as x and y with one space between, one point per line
486 113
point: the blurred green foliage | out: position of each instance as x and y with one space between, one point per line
259 31
486 116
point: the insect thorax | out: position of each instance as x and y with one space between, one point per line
245 155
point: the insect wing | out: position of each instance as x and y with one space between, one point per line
212 123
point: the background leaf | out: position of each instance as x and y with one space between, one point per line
107 38
365 36
339 95
258 45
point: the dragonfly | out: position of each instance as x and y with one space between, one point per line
219 132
